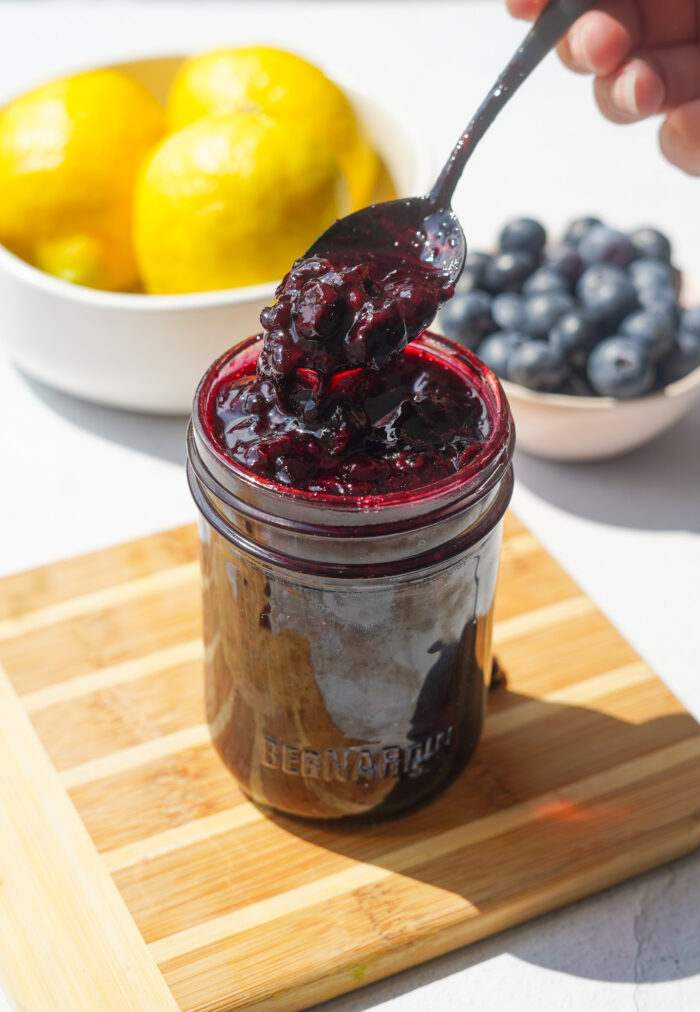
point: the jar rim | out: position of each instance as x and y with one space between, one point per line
470 479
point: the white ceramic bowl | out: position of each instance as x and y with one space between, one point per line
562 427
148 352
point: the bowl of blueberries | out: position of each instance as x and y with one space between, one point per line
588 335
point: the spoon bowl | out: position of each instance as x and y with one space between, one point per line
412 229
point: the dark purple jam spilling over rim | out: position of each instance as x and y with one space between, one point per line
337 403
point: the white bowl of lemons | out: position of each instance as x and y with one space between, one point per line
125 299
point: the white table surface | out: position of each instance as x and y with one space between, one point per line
78 476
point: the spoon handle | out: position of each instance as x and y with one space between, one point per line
552 24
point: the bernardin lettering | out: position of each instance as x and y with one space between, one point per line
270 752
356 762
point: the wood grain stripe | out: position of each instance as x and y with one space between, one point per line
112 675
589 691
106 567
518 545
60 912
137 755
359 875
534 621
181 836
109 597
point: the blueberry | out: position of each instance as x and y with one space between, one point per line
578 228
683 358
650 273
523 233
603 245
496 349
543 311
507 311
472 275
690 321
608 296
663 302
573 336
593 277
535 364
466 318
545 279
564 259
319 311
650 243
618 367
507 271
652 331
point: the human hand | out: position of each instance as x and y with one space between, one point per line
645 55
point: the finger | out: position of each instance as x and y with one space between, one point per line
527 10
679 68
652 82
634 92
669 23
601 39
679 137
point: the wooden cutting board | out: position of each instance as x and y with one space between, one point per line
135 876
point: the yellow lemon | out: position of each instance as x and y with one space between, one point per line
70 152
232 201
286 87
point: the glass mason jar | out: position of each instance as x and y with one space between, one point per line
348 640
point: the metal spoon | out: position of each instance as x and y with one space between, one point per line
426 228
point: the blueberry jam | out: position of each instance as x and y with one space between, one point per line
339 402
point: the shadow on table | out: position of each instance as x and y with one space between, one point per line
572 830
656 487
160 436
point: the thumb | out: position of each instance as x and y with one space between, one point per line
680 137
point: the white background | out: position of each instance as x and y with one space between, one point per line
77 476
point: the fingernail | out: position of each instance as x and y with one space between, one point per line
636 94
624 92
577 47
